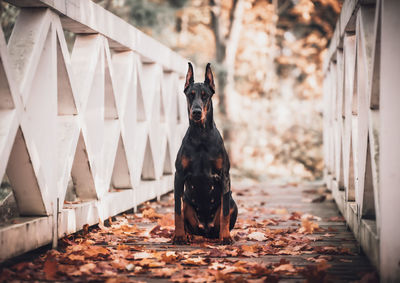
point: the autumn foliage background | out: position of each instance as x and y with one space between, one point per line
267 61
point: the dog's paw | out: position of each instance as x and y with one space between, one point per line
226 241
180 240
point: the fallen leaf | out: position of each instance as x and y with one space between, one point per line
307 226
336 219
50 268
148 262
143 255
165 272
280 211
87 268
151 214
74 257
85 229
234 269
167 221
169 257
96 251
285 268
129 267
194 261
257 236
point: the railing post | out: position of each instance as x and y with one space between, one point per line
390 142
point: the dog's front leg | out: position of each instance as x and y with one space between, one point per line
180 235
224 234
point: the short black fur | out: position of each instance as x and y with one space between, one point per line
202 178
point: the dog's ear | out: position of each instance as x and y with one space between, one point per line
209 79
189 76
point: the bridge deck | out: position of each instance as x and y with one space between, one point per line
287 233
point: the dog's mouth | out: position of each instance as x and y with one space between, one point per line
196 117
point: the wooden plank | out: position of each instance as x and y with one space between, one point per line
88 17
364 26
349 49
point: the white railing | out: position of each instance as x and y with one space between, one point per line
361 127
110 116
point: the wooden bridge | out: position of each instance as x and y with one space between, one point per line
107 114
361 135
105 117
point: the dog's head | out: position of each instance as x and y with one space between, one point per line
199 95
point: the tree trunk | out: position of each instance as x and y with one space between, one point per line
226 48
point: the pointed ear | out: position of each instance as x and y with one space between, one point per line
209 79
189 76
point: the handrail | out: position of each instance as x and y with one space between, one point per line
361 133
103 121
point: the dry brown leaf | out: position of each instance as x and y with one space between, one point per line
280 211
148 262
122 279
257 236
74 257
87 268
165 272
234 269
143 255
217 266
307 226
66 268
50 268
169 257
167 221
194 261
96 251
151 214
285 268
85 229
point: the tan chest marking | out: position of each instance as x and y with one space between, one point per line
185 162
218 163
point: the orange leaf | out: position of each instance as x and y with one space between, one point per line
50 268
73 257
307 226
96 251
194 261
151 214
165 272
285 268
147 262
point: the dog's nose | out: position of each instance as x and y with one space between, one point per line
196 113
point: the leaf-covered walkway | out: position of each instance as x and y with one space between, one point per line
288 233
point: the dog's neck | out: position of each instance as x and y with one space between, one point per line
206 126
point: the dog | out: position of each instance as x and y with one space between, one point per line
202 181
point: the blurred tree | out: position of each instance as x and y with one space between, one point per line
8 14
151 16
267 64
226 30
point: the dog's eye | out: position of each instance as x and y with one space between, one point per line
203 94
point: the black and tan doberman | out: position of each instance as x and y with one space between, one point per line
202 181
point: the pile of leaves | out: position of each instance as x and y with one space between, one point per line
137 247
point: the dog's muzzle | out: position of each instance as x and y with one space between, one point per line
196 114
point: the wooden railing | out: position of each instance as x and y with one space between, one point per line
106 118
361 127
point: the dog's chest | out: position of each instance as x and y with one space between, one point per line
203 185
